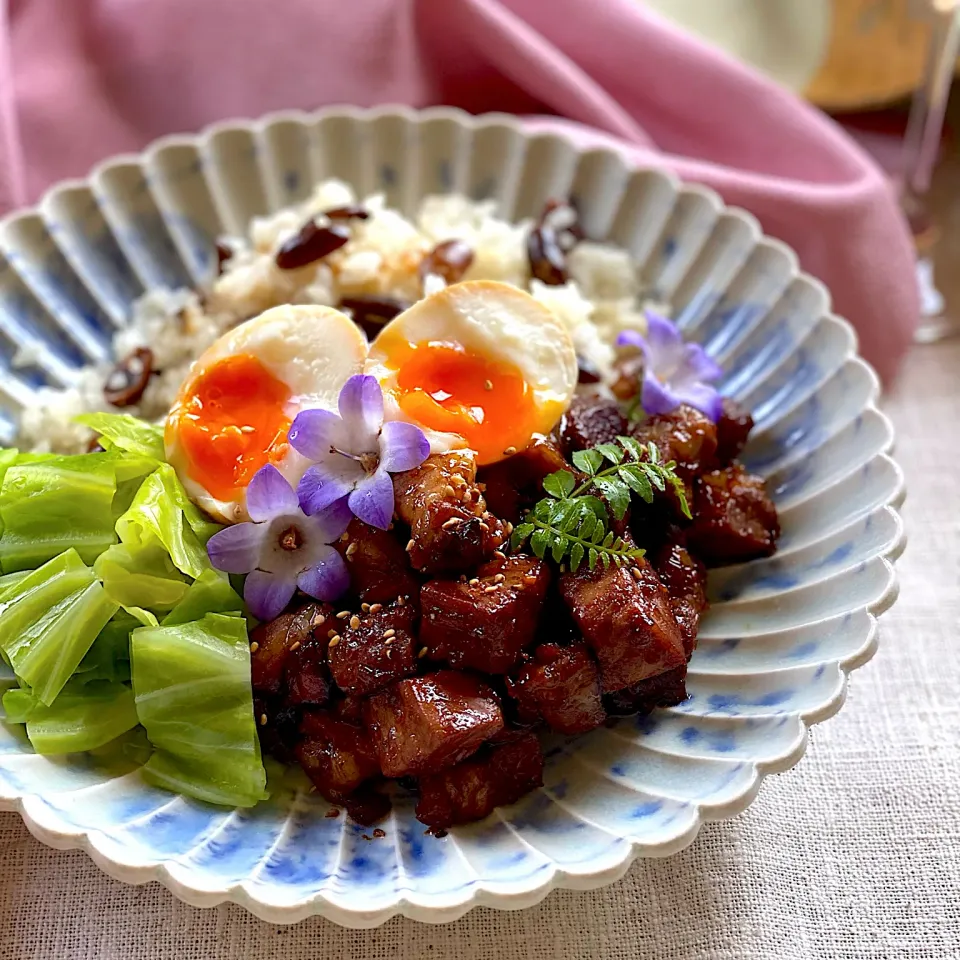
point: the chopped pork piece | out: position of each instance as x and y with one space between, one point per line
469 791
686 580
484 623
516 483
734 519
375 647
590 421
431 722
733 429
562 685
450 527
270 645
336 755
379 566
666 690
625 616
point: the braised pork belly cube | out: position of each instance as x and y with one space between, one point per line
484 623
308 678
590 421
375 647
431 722
733 429
561 685
337 756
516 483
733 518
686 436
450 527
379 566
666 690
270 644
280 734
625 616
685 578
367 805
472 789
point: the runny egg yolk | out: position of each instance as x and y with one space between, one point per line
231 423
487 402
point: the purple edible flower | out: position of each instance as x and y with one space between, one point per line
674 372
355 453
282 548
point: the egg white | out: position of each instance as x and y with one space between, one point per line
312 349
489 319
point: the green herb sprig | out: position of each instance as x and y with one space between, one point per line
572 523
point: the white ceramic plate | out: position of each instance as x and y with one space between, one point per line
774 651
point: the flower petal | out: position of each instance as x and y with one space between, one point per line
657 397
328 579
697 365
269 494
267 594
236 549
703 397
332 521
630 338
321 486
372 501
361 406
663 346
403 446
314 432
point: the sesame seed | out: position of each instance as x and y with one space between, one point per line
487 384
490 589
389 652
451 523
388 640
334 641
318 620
499 578
332 812
331 634
530 578
423 652
410 545
263 719
510 451
343 614
401 601
389 633
376 607
485 527
351 550
365 607
247 429
475 581
508 528
344 537
295 646
449 492
354 622
637 575
254 647
499 554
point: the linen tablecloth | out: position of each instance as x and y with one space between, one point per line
855 853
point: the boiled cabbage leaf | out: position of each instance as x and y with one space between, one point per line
161 509
120 431
193 696
49 620
84 716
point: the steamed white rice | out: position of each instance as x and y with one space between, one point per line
601 298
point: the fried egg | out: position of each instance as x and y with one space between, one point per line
233 411
478 365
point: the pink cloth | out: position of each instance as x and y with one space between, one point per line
82 80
